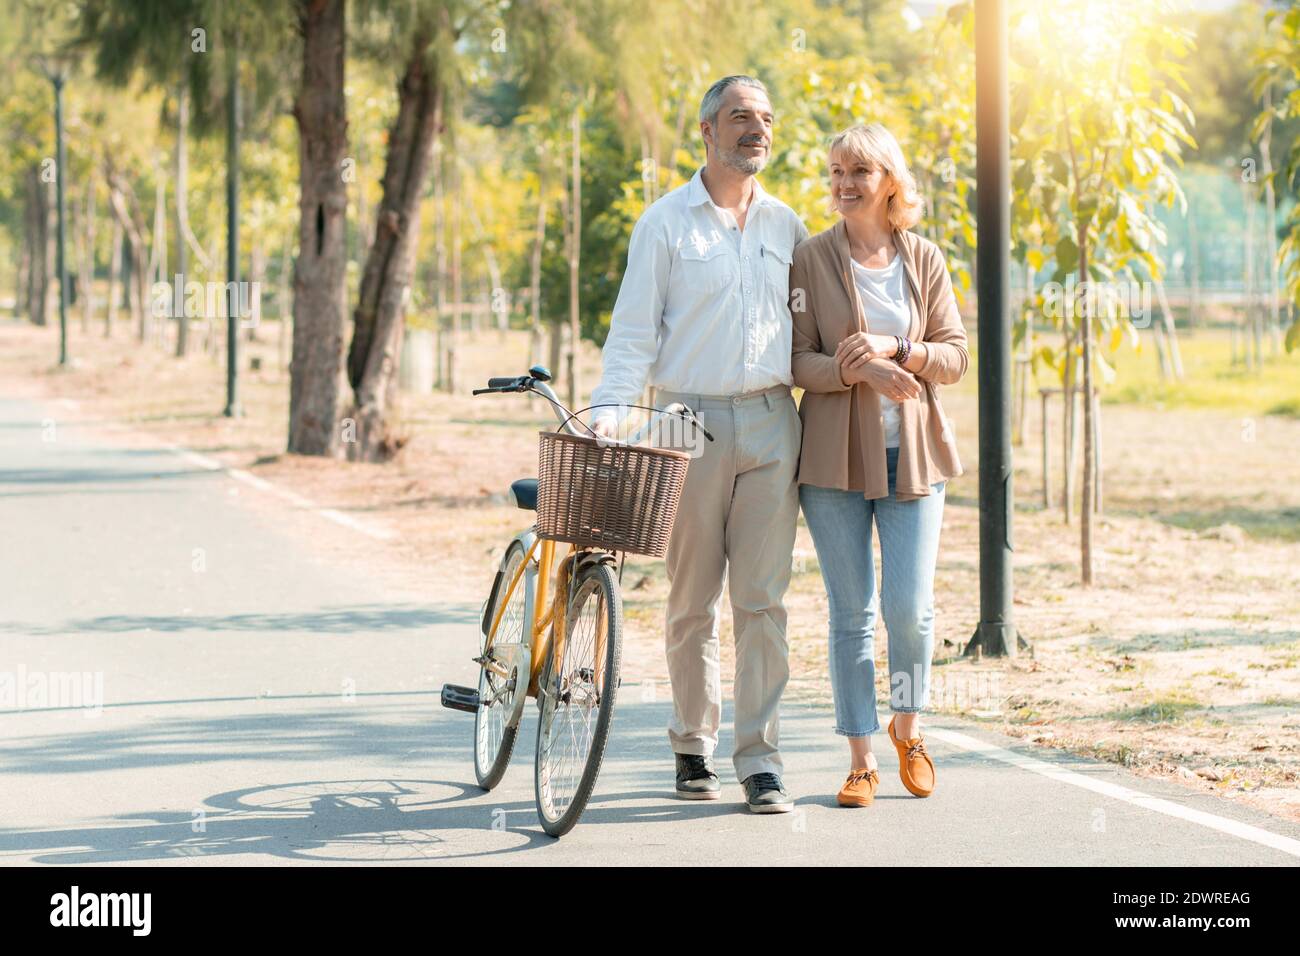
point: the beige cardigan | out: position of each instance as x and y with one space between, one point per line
843 433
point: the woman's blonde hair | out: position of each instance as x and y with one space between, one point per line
876 146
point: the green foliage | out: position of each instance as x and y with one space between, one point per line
1101 114
1099 125
1278 72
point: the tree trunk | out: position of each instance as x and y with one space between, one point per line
126 209
114 278
498 301
34 237
364 229
182 227
1270 228
1067 426
158 255
535 278
1087 499
212 338
454 276
50 281
442 345
23 268
1170 333
1247 326
282 306
557 347
386 279
128 275
39 276
575 241
320 291
256 279
87 283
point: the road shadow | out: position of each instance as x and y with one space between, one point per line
360 618
407 817
42 477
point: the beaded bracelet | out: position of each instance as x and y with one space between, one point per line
904 349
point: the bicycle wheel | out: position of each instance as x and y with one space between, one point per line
501 698
577 700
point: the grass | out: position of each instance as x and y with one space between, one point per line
1210 380
1164 708
1276 524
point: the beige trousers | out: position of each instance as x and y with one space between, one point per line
737 519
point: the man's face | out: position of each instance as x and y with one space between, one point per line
742 134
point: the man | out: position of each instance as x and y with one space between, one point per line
703 315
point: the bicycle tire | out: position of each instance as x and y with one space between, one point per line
601 583
490 764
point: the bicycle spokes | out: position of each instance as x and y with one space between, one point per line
504 666
571 716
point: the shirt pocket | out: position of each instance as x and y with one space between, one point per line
708 270
776 275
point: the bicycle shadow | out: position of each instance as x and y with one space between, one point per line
389 821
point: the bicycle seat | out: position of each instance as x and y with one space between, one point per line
523 493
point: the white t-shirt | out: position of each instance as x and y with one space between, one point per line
884 302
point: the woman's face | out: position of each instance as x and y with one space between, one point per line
859 187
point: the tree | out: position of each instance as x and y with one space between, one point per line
319 281
1277 83
386 280
1098 129
443 40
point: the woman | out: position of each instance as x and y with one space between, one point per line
876 331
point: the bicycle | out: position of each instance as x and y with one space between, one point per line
552 625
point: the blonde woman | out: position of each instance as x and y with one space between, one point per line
876 332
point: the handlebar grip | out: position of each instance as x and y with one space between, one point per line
502 382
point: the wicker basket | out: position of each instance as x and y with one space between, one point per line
616 497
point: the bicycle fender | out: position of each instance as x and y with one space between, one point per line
590 559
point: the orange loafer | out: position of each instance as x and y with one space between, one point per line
860 789
914 764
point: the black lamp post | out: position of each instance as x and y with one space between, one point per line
996 633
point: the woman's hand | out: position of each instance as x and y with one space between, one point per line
886 377
861 347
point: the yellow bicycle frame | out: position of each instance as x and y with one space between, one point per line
543 627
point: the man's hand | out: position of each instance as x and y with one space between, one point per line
605 427
884 376
861 347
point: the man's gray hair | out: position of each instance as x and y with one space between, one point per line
712 101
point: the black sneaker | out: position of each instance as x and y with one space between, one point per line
764 794
696 779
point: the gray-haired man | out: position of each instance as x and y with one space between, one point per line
702 314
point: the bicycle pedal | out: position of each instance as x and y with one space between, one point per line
460 698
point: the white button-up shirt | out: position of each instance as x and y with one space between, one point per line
703 306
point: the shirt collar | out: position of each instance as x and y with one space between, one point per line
697 195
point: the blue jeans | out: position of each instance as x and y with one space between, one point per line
840 522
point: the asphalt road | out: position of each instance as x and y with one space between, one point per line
267 699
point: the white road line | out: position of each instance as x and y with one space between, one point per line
194 458
261 484
1107 789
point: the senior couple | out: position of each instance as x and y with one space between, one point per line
727 303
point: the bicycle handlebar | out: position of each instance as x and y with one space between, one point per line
566 418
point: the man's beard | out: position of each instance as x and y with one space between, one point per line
742 162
